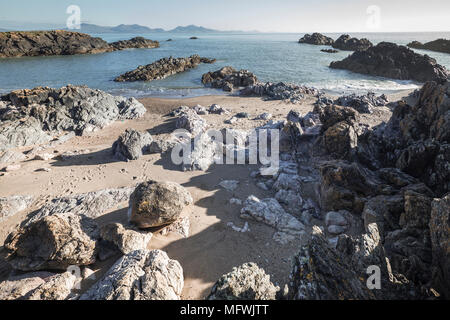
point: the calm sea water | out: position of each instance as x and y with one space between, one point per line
272 57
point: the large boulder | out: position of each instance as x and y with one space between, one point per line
163 68
127 240
393 61
132 144
246 282
140 275
316 39
345 42
228 78
155 204
53 242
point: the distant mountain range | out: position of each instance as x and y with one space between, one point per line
123 28
135 28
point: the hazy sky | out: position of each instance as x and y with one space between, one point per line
262 15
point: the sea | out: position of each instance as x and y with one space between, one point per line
275 57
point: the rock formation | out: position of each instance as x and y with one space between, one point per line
228 79
393 61
155 204
246 282
140 275
131 145
345 42
36 116
163 68
59 42
317 39
439 45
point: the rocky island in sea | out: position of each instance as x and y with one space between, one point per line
59 42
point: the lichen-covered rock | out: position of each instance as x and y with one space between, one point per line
155 204
53 242
127 240
140 275
246 282
163 68
330 115
340 140
132 144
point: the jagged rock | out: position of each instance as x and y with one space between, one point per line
439 45
9 206
331 114
270 212
140 275
126 240
440 235
294 116
47 43
216 109
228 78
91 204
200 110
163 68
279 91
192 122
345 42
340 140
135 43
393 61
322 273
337 221
155 204
53 242
264 116
58 287
246 282
362 104
163 145
182 226
18 287
291 199
35 116
316 39
132 144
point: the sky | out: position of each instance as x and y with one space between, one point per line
246 15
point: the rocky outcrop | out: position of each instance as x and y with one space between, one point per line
48 43
439 45
345 42
270 212
9 206
317 39
163 68
228 79
135 43
280 91
53 242
140 275
246 282
329 51
59 42
36 116
440 240
363 104
155 204
131 145
393 61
